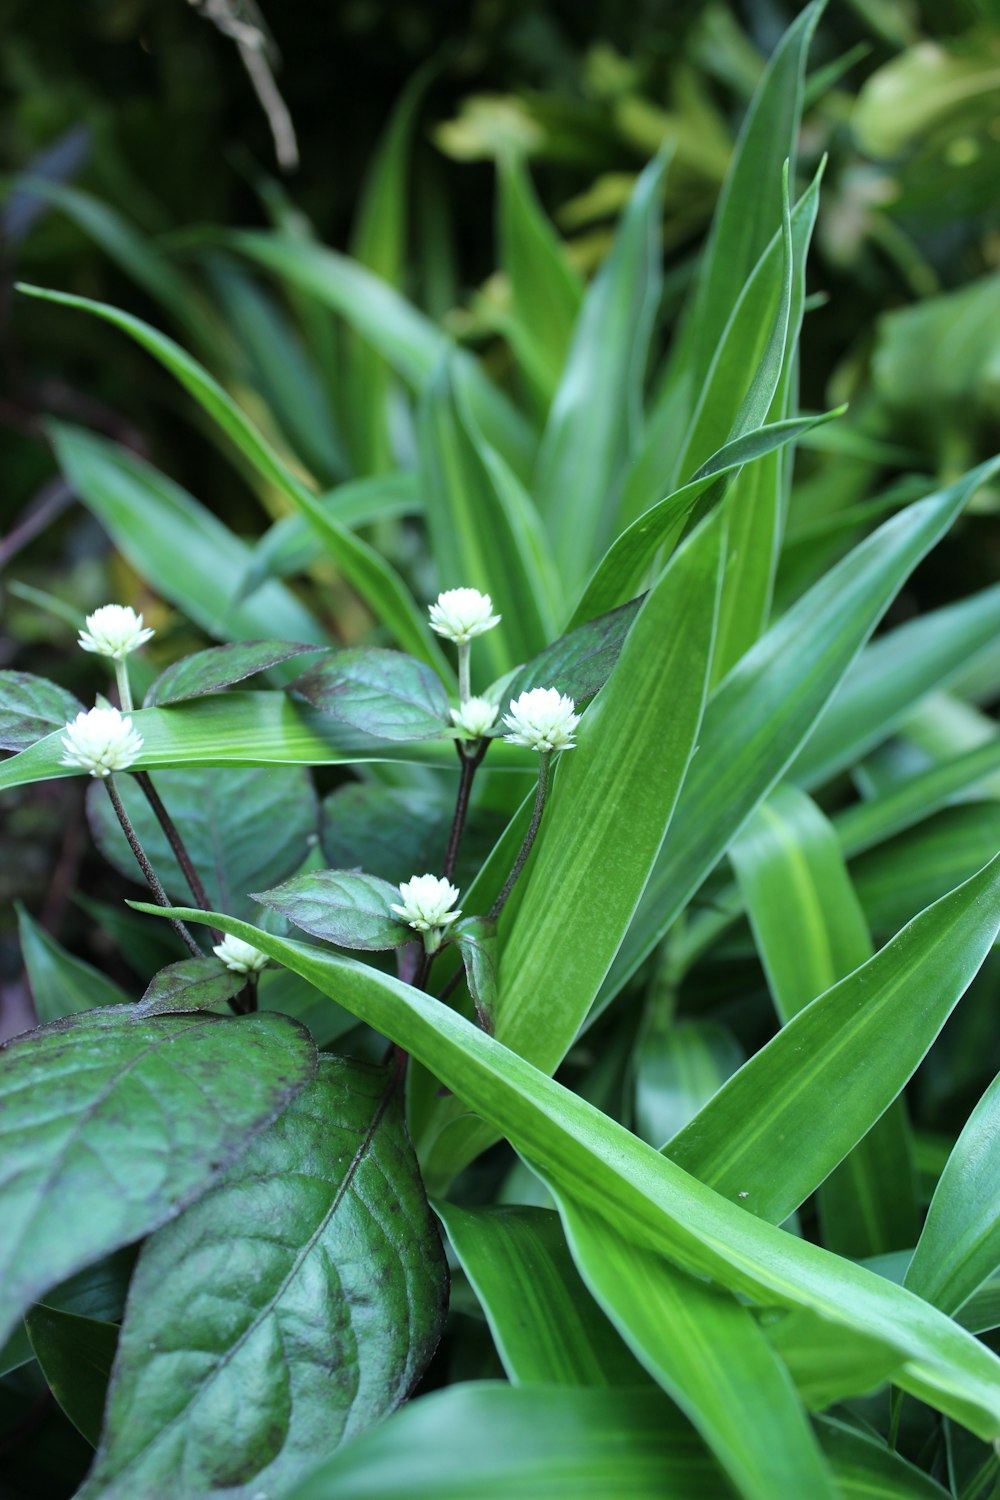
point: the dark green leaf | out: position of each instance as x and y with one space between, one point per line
544 1322
243 827
395 833
294 1305
341 906
111 1125
192 984
75 1355
679 1066
30 708
60 982
579 662
220 667
907 873
477 942
383 693
495 1442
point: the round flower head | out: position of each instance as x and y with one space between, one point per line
114 630
101 741
241 957
426 900
543 719
474 717
460 614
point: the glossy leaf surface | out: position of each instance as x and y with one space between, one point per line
344 907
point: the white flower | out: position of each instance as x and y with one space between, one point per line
543 719
241 957
474 717
460 614
101 741
426 900
114 630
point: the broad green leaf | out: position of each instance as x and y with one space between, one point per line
588 435
30 708
377 583
759 717
383 693
810 932
580 662
243 828
186 554
219 667
98 1292
408 340
605 822
546 1326
75 1355
545 291
858 1043
294 1305
867 1469
901 877
251 729
959 1246
893 673
650 1199
828 1364
679 1065
192 984
537 1442
341 906
61 983
622 567
291 545
484 530
111 1125
707 1352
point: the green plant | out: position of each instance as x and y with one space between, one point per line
689 809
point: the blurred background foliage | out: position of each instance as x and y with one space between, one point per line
132 132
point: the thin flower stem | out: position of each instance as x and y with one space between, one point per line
147 869
470 765
541 792
172 832
464 654
124 686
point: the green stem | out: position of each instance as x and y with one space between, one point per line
541 792
470 764
147 869
464 653
124 686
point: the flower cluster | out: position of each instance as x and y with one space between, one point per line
542 719
101 741
241 957
461 614
474 718
425 906
114 630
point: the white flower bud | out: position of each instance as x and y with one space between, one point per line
114 630
101 741
426 900
460 614
543 719
241 957
474 718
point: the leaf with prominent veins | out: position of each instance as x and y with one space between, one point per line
110 1124
290 1308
